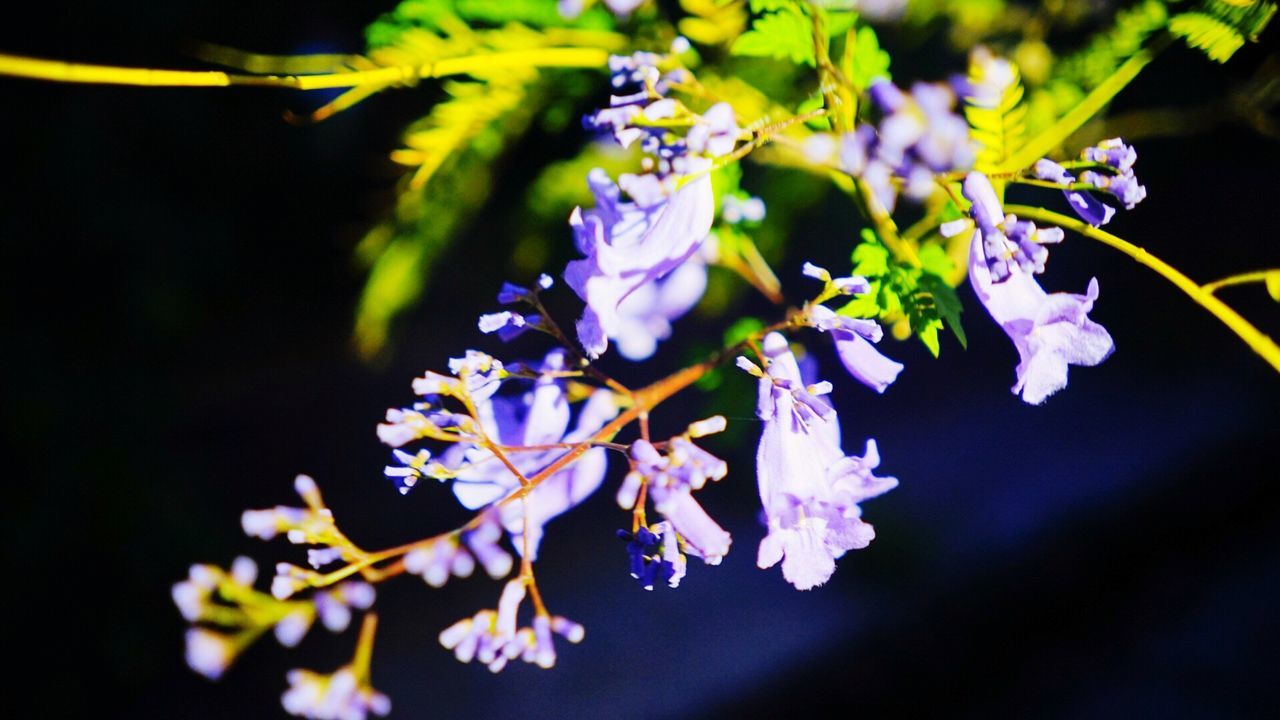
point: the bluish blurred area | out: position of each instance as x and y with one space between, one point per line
178 295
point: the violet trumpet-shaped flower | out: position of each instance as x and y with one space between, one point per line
672 478
645 316
809 488
539 417
1005 241
854 338
630 244
1050 330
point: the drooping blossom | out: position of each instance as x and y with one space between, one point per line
645 316
918 136
494 637
853 336
1117 159
1005 241
672 477
1051 331
339 696
630 244
809 488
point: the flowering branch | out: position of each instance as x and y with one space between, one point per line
1202 295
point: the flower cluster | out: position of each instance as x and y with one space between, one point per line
337 696
494 638
227 614
919 136
638 246
1050 330
809 488
670 479
1113 157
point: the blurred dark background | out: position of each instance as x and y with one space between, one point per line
178 295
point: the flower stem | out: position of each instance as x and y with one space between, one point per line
364 648
1257 276
59 71
1044 143
1254 338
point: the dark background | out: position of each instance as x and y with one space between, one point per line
178 292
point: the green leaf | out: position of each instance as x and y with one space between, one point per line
1221 27
869 61
947 304
781 35
1217 39
840 22
998 130
870 258
742 329
898 289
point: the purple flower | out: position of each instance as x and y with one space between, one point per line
1050 330
715 133
918 136
630 244
809 488
508 325
645 316
494 638
538 418
1002 238
854 338
672 479
655 555
340 696
1089 208
1118 159
734 210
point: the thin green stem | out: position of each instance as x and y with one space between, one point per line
1254 338
1098 98
1257 276
58 71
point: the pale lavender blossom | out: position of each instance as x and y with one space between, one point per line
1005 241
919 135
339 696
1050 330
539 417
853 338
809 488
630 244
334 606
508 325
735 210
494 637
672 479
645 316
1089 208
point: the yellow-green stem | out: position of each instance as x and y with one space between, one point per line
1044 143
1254 338
58 71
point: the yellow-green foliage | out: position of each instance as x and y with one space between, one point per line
998 130
1221 27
